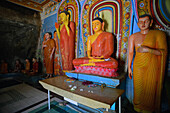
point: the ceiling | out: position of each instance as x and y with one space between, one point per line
33 4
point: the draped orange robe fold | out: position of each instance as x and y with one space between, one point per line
67 46
57 66
149 72
102 46
49 63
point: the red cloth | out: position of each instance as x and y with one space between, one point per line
103 45
67 46
113 63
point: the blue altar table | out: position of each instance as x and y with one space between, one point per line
108 81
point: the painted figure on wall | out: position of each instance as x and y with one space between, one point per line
100 47
66 35
57 67
149 65
49 49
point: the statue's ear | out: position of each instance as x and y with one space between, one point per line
103 26
151 23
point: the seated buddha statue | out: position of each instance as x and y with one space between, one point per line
100 47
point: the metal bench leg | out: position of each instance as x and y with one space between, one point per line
120 104
48 100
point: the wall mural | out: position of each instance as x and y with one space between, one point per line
161 13
126 10
116 15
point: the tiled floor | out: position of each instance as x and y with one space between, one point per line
55 107
17 97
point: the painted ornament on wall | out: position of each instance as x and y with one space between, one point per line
126 10
161 13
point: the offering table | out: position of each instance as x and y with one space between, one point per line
94 97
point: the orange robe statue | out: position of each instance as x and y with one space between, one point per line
100 47
148 66
67 47
49 48
66 35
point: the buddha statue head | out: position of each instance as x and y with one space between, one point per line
97 24
145 22
64 16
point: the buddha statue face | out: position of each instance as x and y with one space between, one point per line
97 25
64 17
144 23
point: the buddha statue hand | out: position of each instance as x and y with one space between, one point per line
57 25
96 60
89 64
143 49
99 57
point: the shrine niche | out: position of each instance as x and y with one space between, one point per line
116 15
